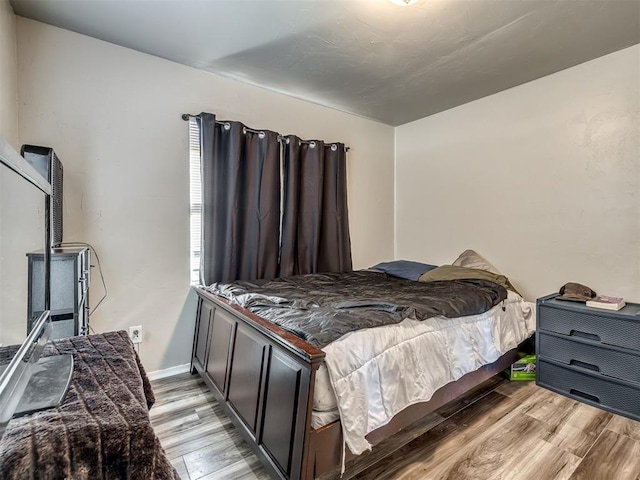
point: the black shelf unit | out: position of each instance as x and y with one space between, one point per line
70 279
591 355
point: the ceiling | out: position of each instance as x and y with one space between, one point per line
367 57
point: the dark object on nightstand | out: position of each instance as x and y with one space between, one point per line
590 355
575 292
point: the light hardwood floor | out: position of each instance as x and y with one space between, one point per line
502 431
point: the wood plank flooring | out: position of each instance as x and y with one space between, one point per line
199 439
501 431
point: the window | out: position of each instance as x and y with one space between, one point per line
195 196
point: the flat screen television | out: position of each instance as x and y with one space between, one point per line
27 382
49 166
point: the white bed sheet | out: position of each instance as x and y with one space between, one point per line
372 374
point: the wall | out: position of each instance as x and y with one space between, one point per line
10 331
113 116
8 75
22 218
541 179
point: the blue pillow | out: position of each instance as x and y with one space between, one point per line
404 269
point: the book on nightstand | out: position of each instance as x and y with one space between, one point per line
607 303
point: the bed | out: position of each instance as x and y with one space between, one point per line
101 430
309 400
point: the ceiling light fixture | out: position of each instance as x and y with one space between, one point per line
403 3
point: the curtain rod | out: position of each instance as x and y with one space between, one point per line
187 116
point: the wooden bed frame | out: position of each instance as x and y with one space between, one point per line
264 376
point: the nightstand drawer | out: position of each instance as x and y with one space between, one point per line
597 326
612 395
624 365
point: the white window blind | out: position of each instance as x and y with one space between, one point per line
195 196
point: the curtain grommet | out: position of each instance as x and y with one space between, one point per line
261 135
334 147
312 144
227 126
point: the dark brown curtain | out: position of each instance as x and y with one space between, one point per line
315 222
240 202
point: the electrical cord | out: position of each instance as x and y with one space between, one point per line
104 285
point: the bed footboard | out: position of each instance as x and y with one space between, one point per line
263 377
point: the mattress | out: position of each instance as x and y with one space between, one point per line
321 308
360 369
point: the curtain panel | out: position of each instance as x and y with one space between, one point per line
267 211
240 202
315 218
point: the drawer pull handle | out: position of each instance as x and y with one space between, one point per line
588 366
586 396
590 336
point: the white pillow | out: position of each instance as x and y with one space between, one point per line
471 259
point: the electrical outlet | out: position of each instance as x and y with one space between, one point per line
135 334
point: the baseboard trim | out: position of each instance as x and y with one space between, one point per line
169 372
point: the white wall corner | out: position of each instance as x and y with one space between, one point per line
169 372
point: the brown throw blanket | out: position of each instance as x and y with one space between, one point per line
101 431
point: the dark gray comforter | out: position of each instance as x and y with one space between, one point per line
321 308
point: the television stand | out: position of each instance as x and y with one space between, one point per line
70 279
